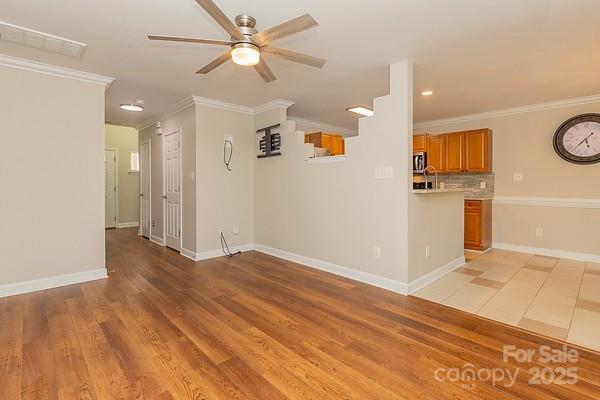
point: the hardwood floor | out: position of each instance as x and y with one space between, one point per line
253 327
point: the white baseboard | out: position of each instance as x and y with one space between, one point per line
435 275
205 255
157 240
365 277
121 225
571 255
52 282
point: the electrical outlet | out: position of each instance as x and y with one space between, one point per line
236 231
518 177
376 252
539 232
483 185
228 138
442 185
427 251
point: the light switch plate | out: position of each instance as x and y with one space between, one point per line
384 172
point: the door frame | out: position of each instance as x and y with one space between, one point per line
164 186
116 185
149 172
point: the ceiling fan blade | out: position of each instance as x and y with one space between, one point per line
294 57
288 28
264 71
220 18
222 59
188 40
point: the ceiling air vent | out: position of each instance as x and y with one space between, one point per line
40 40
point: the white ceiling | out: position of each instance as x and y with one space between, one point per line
477 55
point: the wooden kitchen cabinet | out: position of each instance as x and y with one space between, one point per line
478 151
455 150
334 142
469 151
478 224
420 142
436 152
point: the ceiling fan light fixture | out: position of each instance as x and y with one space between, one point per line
245 54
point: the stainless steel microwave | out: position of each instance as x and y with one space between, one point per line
419 162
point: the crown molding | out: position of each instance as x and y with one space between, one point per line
273 105
510 111
34 66
221 105
321 126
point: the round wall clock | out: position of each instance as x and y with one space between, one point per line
577 140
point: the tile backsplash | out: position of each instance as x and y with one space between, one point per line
471 183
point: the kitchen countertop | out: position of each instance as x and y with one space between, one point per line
437 191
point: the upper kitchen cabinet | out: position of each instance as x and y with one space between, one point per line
469 151
333 143
420 142
455 152
436 152
478 150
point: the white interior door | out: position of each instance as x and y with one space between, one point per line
110 188
172 195
145 218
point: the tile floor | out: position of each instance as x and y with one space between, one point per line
555 297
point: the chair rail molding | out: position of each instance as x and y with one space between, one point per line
560 202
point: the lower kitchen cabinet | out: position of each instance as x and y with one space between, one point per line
478 224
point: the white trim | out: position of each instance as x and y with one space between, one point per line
121 225
435 274
510 111
149 172
571 255
205 255
548 202
365 277
272 105
157 240
326 159
205 101
321 126
34 66
52 282
222 105
116 151
178 107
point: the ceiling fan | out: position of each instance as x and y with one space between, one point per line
247 44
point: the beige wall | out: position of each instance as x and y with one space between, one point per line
523 143
225 199
336 212
52 174
186 121
125 140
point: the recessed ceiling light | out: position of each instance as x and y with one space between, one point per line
427 93
135 107
366 111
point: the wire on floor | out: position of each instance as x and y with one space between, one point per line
225 247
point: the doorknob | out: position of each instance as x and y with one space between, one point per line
164 196
141 194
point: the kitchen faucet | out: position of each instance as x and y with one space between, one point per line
425 175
